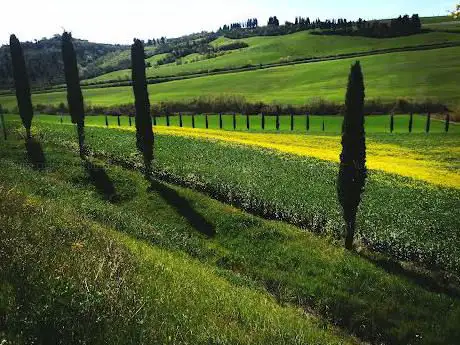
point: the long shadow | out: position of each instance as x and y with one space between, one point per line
431 283
101 181
183 207
35 154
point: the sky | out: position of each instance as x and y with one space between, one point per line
119 21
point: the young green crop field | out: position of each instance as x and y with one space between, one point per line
276 49
166 264
414 75
332 123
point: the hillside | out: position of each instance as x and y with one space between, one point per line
44 61
412 75
281 49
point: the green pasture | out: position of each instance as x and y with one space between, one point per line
332 124
400 216
194 270
418 75
277 49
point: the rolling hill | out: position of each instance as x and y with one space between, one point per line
413 75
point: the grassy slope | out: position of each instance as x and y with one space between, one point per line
418 75
73 280
263 50
196 302
404 217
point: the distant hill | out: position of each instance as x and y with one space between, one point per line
44 61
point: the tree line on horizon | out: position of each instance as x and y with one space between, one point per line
401 26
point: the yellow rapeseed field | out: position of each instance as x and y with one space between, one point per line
385 157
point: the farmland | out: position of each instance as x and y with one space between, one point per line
297 265
266 50
410 74
284 194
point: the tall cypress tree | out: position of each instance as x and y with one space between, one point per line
21 83
74 94
446 127
352 173
144 131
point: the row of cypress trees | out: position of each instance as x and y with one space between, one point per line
144 131
352 172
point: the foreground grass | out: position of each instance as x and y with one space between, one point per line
407 218
163 295
277 49
67 279
417 75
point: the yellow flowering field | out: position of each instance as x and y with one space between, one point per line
391 158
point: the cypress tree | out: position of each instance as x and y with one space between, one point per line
324 127
154 119
392 123
180 120
167 119
308 122
263 121
446 128
428 123
292 122
144 131
118 120
411 122
247 121
129 117
193 120
220 120
74 94
234 121
277 121
206 120
106 121
21 84
352 172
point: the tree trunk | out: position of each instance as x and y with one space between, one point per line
350 235
81 139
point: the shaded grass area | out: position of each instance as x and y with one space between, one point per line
66 278
416 75
406 218
219 300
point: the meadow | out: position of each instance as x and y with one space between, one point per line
279 49
412 75
168 264
413 184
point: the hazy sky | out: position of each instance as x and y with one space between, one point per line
118 21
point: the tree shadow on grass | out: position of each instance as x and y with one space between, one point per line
100 180
183 207
35 154
433 282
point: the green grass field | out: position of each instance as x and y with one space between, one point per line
179 285
265 50
259 180
413 75
332 124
